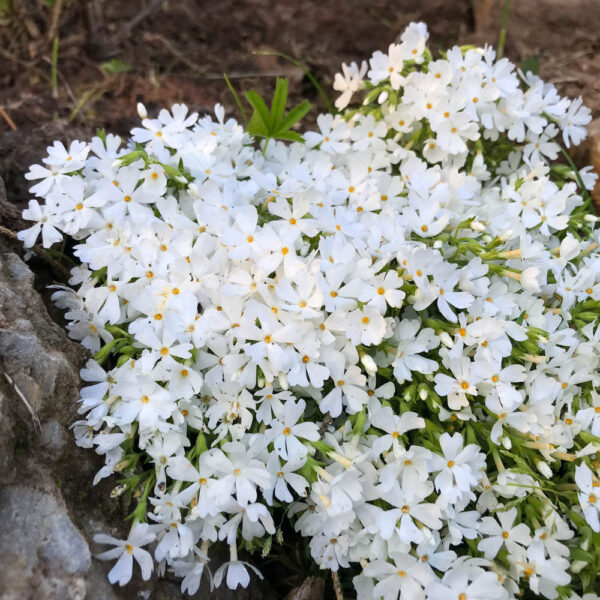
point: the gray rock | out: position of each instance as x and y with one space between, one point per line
44 533
53 438
312 588
7 436
42 552
49 509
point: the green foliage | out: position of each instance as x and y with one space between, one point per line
275 123
530 64
116 66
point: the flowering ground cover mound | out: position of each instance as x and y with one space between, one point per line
383 331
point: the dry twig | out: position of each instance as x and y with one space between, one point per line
7 118
21 395
181 57
337 586
128 27
54 18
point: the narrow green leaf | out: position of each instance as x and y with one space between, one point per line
279 101
290 136
295 115
256 126
580 554
236 97
115 66
532 64
260 109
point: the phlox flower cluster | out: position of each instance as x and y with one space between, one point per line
387 333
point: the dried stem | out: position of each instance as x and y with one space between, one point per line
337 586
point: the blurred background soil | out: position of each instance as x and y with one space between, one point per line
115 53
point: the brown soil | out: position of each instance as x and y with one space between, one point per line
178 50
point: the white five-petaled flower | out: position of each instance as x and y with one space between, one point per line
126 551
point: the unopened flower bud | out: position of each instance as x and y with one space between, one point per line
382 97
577 566
544 469
446 339
118 490
141 111
342 460
283 382
506 442
279 536
368 363
121 465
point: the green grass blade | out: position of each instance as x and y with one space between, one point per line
236 97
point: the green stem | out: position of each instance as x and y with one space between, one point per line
265 146
54 67
236 97
503 30
139 514
584 192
